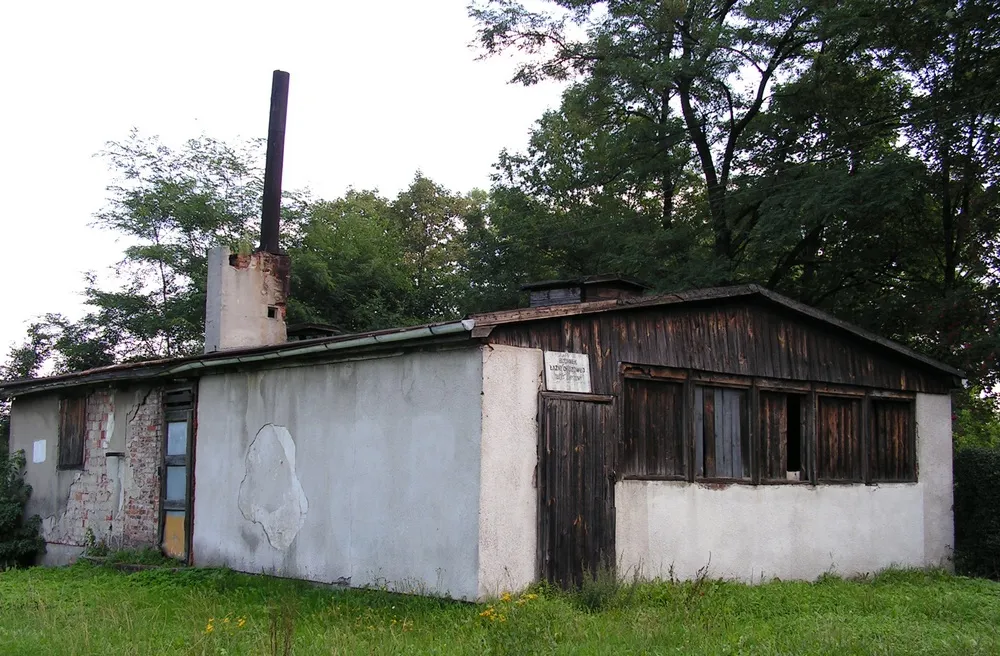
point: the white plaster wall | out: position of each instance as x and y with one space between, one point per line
375 482
794 531
508 500
934 462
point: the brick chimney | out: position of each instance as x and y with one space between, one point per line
246 294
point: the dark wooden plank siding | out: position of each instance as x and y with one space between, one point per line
838 438
891 445
72 431
556 296
773 431
739 337
722 445
654 429
576 519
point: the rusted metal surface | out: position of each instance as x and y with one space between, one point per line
72 431
736 337
271 215
576 492
838 439
653 443
891 443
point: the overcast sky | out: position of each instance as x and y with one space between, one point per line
379 89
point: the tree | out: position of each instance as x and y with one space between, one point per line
20 541
348 268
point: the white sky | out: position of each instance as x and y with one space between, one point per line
379 89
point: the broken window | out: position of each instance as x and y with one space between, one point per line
176 483
780 424
891 441
654 429
72 432
722 438
838 438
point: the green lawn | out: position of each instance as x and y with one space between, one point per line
87 609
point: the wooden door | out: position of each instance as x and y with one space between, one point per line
576 488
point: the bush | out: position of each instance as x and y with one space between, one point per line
977 512
20 542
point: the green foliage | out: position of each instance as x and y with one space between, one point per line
20 541
977 511
839 154
976 419
51 611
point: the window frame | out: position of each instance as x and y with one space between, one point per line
723 383
185 412
668 377
809 393
80 463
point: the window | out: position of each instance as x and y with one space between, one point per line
781 425
891 441
722 438
704 426
654 429
72 432
177 462
838 438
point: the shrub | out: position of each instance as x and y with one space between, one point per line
20 541
977 512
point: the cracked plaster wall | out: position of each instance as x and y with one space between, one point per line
363 472
115 496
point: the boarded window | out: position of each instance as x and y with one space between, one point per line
891 447
654 429
780 424
722 438
72 431
838 439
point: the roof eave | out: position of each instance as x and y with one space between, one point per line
163 369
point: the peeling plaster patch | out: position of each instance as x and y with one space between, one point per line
270 494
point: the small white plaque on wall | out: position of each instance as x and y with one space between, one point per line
567 372
38 451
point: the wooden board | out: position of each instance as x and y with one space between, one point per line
576 491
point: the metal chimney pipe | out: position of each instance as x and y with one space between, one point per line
271 215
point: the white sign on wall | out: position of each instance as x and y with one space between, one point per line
38 451
567 372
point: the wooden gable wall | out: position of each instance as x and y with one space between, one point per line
741 337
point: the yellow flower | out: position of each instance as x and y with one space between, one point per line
488 612
531 596
209 628
240 622
505 596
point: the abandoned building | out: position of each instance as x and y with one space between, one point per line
731 429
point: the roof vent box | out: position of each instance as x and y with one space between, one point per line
581 290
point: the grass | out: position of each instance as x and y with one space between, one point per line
87 609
